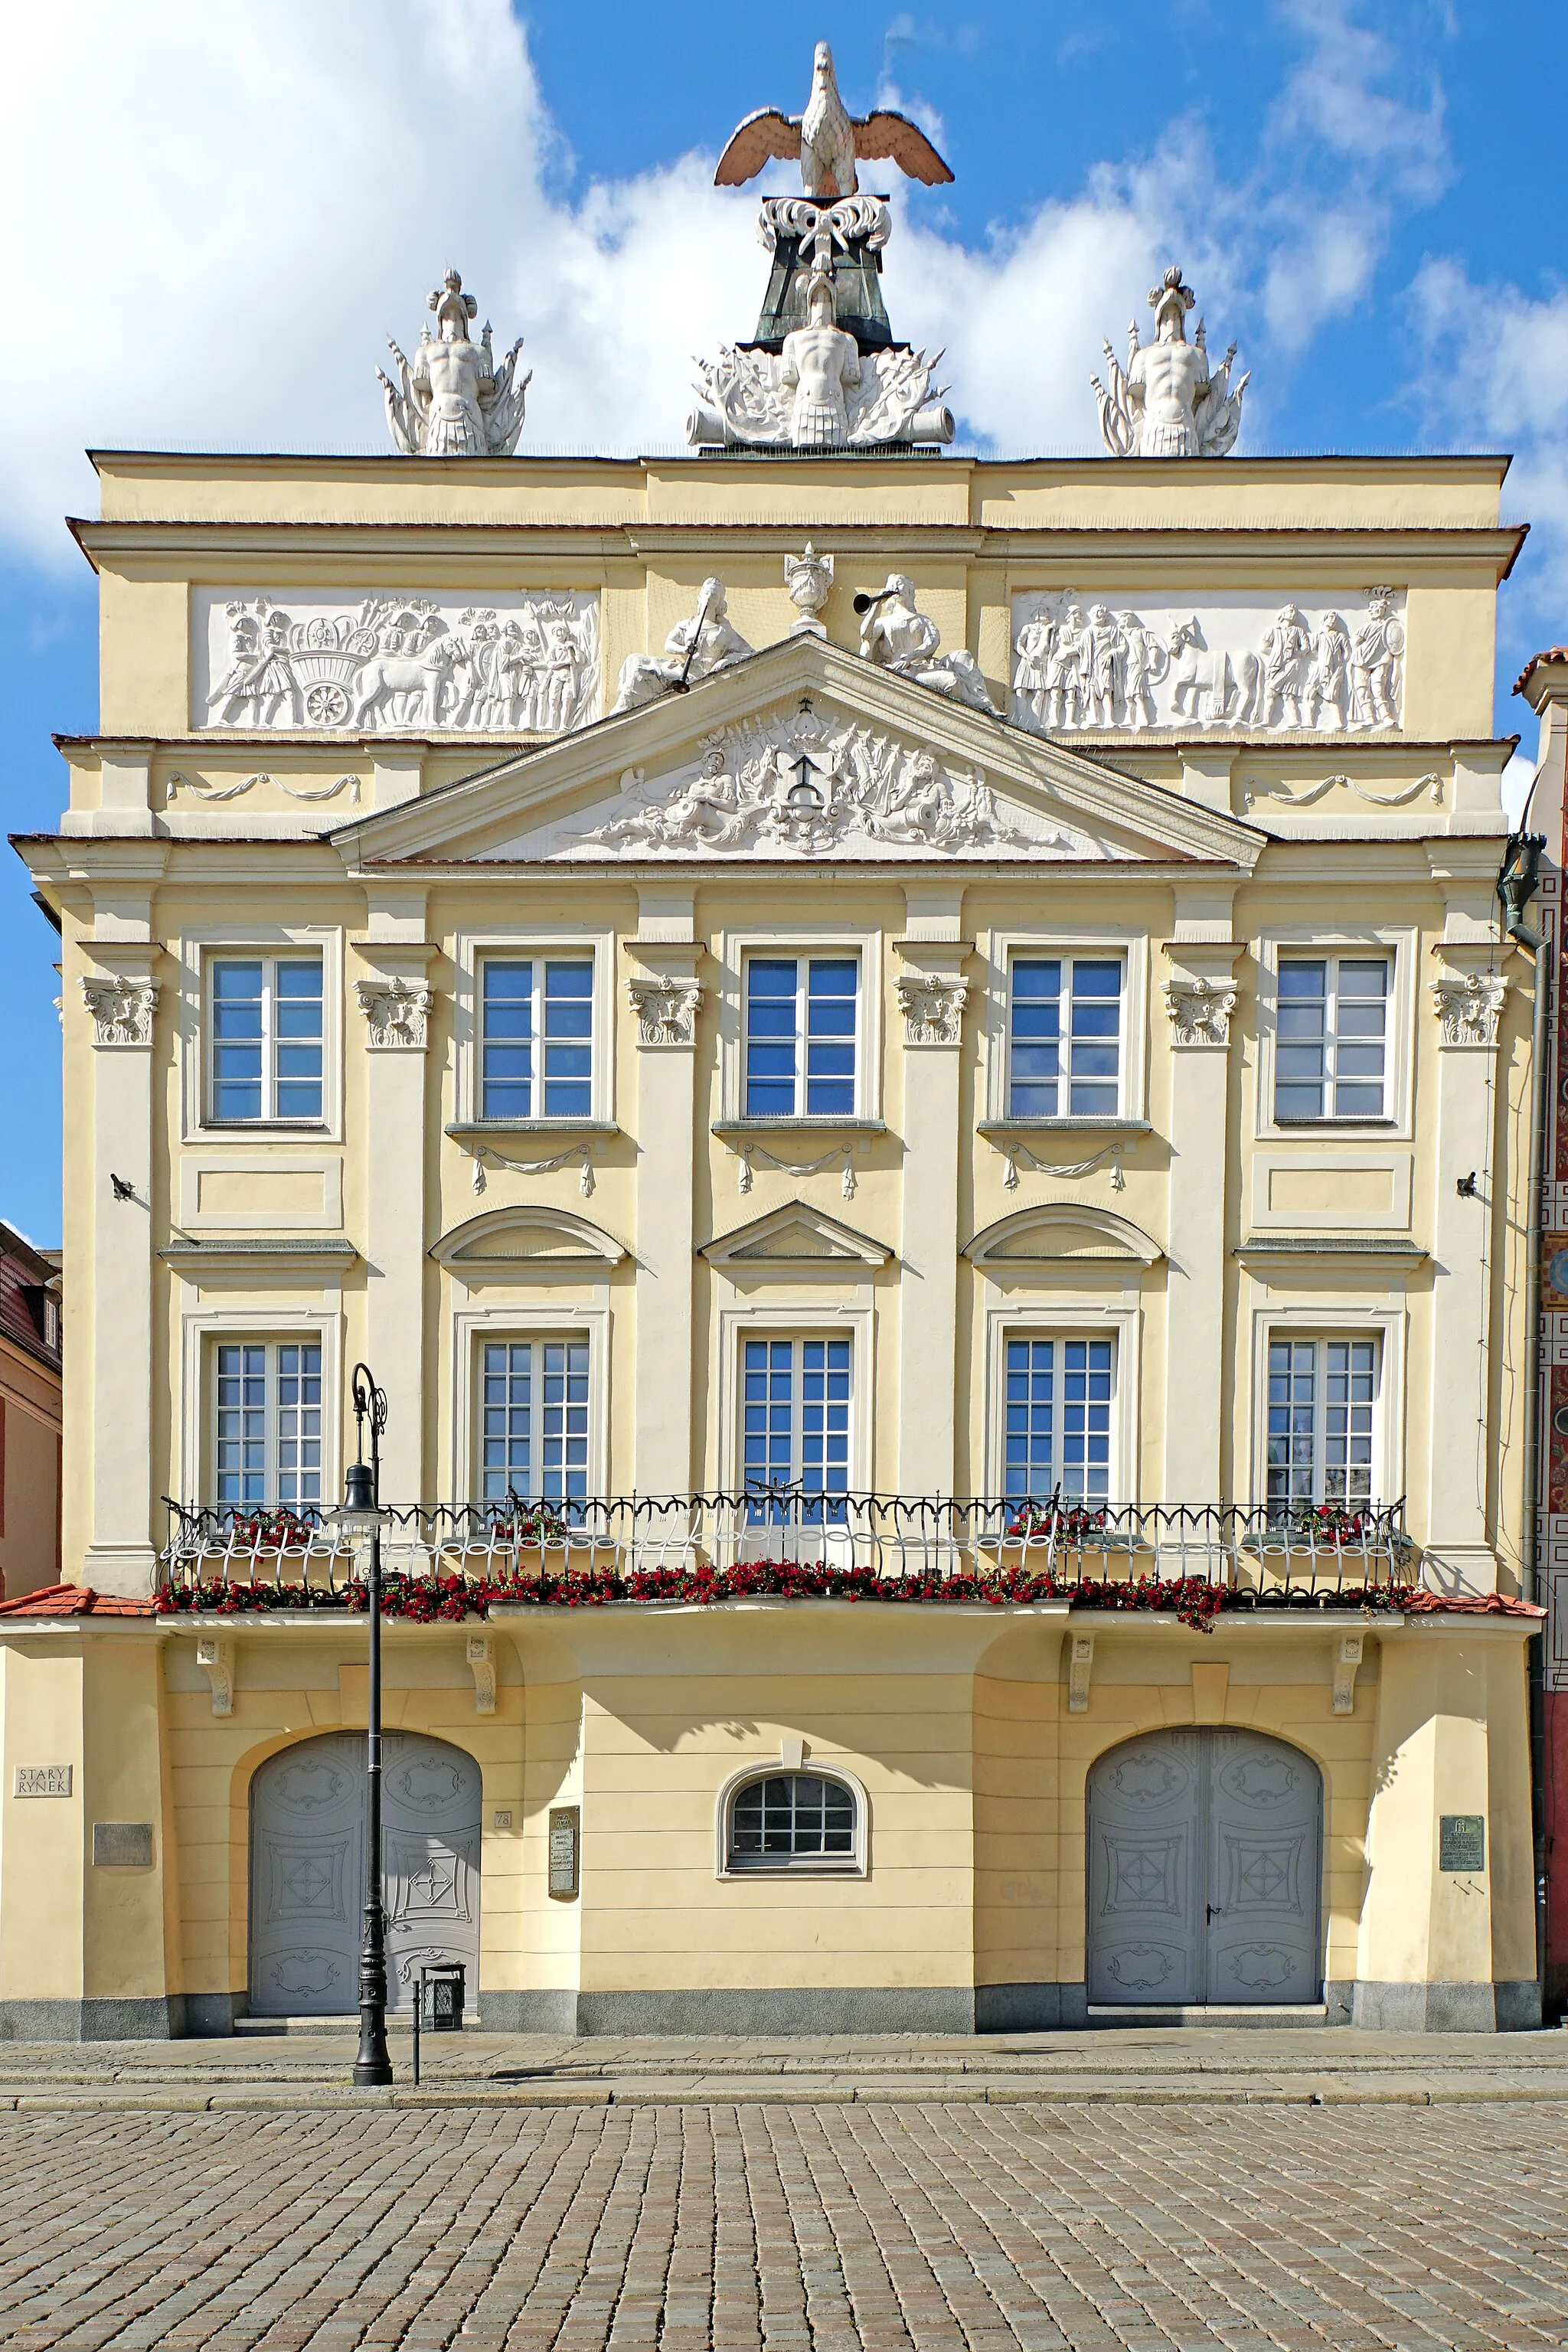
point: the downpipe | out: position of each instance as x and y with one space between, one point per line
1518 882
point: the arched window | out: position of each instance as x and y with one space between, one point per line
806 1822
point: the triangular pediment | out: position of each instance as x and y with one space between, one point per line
796 1234
802 752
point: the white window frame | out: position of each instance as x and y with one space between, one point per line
798 1340
810 1318
566 1335
733 951
521 943
857 1865
196 951
1398 943
801 1000
1120 1318
1285 1336
1062 1340
504 1319
1334 1317
1088 939
271 1498
202 1331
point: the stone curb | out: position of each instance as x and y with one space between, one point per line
770 2092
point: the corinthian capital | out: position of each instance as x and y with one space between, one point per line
122 1007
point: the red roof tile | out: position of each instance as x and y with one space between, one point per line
75 1601
1484 1604
1552 653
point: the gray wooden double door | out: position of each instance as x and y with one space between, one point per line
307 1869
1205 1859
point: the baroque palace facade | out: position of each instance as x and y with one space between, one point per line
908 1073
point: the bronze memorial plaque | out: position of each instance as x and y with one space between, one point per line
1461 1842
565 1835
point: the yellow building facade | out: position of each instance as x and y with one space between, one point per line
1017 1174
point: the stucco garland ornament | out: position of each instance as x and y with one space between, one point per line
454 398
749 1151
485 1154
200 790
1014 1150
1167 403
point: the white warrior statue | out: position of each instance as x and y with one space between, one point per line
454 399
1167 404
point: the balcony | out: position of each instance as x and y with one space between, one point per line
454 1560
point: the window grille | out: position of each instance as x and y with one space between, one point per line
802 1036
264 1018
792 1818
536 1038
1332 1051
1057 1418
1064 1037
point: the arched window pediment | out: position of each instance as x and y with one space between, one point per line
1062 1232
531 1239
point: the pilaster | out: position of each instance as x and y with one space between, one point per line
118 1000
1199 998
394 998
931 993
664 994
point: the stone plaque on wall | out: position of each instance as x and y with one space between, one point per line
43 1780
389 664
1461 1842
123 1845
566 1840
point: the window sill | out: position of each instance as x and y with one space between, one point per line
804 1120
473 1130
1047 1126
1297 1126
265 1127
734 1871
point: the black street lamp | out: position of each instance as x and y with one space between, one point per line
361 1502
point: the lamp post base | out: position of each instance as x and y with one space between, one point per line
373 2060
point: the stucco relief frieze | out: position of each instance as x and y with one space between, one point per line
385 664
1084 659
122 1007
806 783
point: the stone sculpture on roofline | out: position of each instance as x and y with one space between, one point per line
1166 403
823 371
455 398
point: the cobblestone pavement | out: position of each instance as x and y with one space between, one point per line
831 2229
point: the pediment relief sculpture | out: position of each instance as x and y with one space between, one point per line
1082 661
811 783
454 398
387 664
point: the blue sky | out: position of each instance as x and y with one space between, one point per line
221 211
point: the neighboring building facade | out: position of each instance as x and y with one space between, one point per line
812 1084
29 1416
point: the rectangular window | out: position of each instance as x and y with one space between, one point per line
264 1024
802 1036
1330 1054
1058 1420
1322 1396
794 1423
1064 1037
266 1423
536 1037
533 1426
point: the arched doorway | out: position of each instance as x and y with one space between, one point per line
1206 1864
307 1869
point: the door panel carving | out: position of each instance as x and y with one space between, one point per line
1204 1870
307 1870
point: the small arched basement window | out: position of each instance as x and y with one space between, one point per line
794 1822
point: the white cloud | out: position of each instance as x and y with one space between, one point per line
212 217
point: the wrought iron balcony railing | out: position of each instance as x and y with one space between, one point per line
1271 1554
